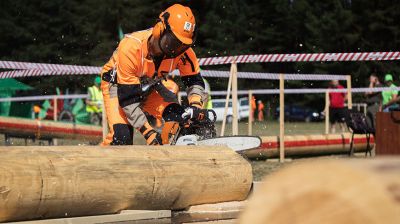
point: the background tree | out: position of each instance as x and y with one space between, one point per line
86 33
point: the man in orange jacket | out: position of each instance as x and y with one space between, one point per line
141 58
260 110
253 108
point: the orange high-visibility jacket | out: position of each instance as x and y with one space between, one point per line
131 62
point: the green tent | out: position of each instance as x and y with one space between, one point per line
8 87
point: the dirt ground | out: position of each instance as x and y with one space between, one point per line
262 168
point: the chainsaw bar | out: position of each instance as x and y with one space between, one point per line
236 143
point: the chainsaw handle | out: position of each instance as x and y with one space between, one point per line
214 115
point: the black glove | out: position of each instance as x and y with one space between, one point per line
194 113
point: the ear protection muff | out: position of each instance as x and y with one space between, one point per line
160 27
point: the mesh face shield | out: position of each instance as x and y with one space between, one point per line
170 45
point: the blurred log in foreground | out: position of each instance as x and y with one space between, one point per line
357 191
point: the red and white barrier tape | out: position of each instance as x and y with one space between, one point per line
50 67
36 72
77 69
316 57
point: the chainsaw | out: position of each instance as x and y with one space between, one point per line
203 132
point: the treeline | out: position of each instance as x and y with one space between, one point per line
86 32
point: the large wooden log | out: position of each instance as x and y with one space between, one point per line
308 145
49 182
45 129
329 191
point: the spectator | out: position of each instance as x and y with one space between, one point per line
253 108
207 101
94 102
260 110
389 97
337 111
374 100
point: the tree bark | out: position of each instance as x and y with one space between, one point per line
67 181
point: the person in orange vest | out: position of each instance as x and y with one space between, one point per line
253 108
260 110
36 111
129 79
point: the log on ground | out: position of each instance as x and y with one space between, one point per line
45 129
329 191
51 182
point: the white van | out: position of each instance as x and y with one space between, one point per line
219 107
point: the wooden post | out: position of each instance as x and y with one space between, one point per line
55 112
356 191
55 109
281 118
349 96
365 109
228 94
327 103
250 130
50 182
235 110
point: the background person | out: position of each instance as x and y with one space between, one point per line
207 101
94 102
337 111
253 108
260 108
390 96
373 100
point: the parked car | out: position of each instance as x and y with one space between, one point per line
299 113
219 108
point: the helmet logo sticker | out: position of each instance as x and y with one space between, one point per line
187 26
